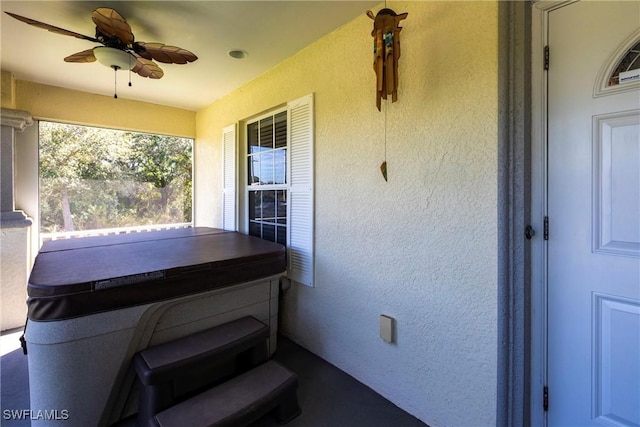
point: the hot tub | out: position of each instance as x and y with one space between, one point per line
94 302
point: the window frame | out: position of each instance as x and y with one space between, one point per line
300 173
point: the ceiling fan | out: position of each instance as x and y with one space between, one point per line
119 50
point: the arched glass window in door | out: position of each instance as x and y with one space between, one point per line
630 62
620 72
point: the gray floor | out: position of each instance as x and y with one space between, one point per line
328 397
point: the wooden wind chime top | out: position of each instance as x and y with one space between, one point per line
386 52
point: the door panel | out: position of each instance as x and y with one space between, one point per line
616 372
594 222
616 186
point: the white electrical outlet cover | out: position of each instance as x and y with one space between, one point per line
386 328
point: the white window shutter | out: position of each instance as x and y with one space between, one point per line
229 181
300 206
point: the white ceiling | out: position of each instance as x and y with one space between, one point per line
270 31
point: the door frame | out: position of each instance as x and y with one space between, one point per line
522 201
539 206
514 200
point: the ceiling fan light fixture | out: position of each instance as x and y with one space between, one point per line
114 58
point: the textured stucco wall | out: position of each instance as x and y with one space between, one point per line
420 248
13 277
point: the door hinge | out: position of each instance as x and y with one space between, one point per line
546 228
545 398
546 57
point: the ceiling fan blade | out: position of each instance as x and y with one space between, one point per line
112 24
147 68
84 56
51 28
165 53
139 49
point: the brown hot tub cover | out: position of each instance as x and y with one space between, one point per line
77 277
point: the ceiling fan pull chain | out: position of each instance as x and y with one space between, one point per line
115 81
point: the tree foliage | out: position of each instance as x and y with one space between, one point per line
93 178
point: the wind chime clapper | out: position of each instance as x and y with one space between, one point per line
386 52
383 170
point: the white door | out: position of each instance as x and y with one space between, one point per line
593 366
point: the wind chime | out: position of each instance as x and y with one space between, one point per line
386 52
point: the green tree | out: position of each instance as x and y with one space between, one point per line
69 157
162 161
98 178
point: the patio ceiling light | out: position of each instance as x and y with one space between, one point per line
114 58
238 53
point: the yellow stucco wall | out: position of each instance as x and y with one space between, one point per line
420 247
7 90
71 106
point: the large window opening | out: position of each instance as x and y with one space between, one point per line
97 179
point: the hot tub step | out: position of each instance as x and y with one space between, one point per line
239 401
162 370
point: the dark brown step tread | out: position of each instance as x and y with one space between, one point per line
237 401
157 363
